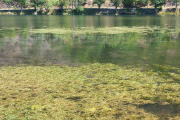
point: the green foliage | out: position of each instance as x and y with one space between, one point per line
60 3
176 1
128 3
63 3
81 2
158 3
80 10
50 3
8 1
134 3
39 2
23 2
99 2
116 2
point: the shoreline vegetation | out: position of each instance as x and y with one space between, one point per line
92 91
92 11
88 7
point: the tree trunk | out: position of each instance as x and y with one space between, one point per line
133 10
147 4
8 7
73 5
99 6
35 7
176 5
21 8
62 8
116 8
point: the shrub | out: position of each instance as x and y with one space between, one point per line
80 10
160 8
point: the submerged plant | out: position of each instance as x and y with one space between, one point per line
93 91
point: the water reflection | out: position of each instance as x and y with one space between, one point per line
155 47
87 21
19 45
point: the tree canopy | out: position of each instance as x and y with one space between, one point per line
99 2
63 3
158 3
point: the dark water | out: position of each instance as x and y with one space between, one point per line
18 45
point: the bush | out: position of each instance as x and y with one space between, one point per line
160 8
80 10
132 3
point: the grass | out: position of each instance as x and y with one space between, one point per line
93 91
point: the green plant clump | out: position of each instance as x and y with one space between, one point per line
93 91
80 10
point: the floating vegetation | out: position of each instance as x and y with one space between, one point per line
94 91
106 30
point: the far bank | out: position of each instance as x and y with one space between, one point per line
91 11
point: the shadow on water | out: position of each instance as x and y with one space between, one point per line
162 111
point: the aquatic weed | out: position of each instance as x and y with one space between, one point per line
93 91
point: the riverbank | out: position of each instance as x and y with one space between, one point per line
90 11
93 91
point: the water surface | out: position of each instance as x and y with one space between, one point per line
19 45
147 42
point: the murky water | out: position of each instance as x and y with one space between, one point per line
19 45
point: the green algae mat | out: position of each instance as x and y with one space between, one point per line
93 91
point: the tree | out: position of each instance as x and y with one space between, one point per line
99 2
50 3
140 3
60 3
134 3
63 3
8 2
128 3
38 2
176 1
81 2
116 3
22 2
158 3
